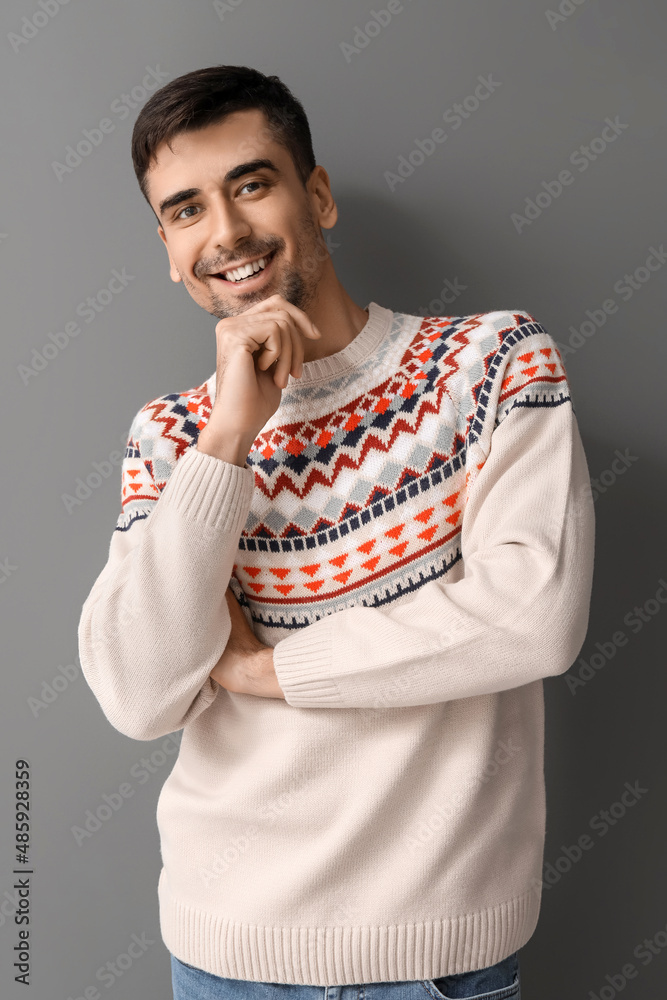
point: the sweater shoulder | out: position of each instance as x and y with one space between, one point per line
492 363
164 427
526 369
516 331
501 322
161 431
478 348
496 331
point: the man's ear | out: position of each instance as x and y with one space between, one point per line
324 205
173 272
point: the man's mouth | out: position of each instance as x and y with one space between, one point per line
247 274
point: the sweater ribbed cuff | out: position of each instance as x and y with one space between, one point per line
303 664
209 490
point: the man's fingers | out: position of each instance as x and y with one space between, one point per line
277 302
271 347
297 355
281 374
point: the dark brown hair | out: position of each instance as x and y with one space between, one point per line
205 97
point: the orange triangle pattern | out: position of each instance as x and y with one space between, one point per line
317 573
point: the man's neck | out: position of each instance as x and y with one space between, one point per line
338 318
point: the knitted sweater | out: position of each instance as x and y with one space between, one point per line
413 534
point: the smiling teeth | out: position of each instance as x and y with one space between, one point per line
243 272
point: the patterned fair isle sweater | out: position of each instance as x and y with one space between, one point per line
413 534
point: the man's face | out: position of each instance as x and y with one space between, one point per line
211 222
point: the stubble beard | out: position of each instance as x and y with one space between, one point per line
297 284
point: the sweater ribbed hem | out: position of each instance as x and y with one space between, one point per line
345 956
209 490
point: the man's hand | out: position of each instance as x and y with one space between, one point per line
248 387
246 665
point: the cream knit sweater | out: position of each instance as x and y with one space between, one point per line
413 533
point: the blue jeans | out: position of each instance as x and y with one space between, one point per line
496 982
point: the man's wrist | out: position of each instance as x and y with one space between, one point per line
265 674
228 446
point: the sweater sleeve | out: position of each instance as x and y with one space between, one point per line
156 620
520 612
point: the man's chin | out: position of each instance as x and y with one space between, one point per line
239 302
221 311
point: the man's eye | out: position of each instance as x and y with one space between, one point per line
260 183
180 214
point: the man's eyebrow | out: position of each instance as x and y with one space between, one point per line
232 175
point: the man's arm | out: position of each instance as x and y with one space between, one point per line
156 621
519 614
246 665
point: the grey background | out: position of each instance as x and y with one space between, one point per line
450 219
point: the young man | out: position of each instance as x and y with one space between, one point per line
345 563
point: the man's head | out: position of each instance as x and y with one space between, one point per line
224 157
